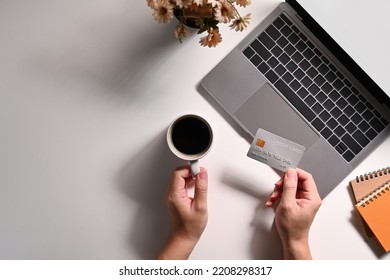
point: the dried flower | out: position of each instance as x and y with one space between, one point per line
239 24
163 11
224 12
243 3
205 15
181 31
212 39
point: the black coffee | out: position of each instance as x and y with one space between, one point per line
191 135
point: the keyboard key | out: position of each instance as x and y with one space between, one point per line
278 23
377 125
297 57
341 103
363 126
334 95
341 148
286 20
360 107
287 77
310 100
351 128
332 67
328 105
315 61
306 82
266 40
284 59
338 84
299 74
333 140
326 133
272 62
302 92
325 116
384 121
310 45
304 65
301 46
280 70
295 29
271 76
330 77
318 124
261 50
326 87
356 118
249 52
295 85
339 131
360 138
321 97
291 66
348 155
351 143
313 89
282 42
319 80
286 31
317 108
312 72
308 54
289 49
276 51
295 100
302 36
293 38
273 32
336 112
349 111
332 123
323 69
353 100
346 92
343 120
263 68
256 60
371 134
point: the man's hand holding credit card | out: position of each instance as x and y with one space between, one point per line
275 151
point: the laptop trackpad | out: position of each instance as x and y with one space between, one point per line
267 110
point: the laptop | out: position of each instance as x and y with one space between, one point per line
290 77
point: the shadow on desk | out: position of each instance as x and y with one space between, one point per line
145 179
266 244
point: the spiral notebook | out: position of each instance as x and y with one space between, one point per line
375 211
365 184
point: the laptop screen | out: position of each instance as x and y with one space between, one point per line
361 29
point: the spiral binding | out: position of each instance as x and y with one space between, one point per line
373 174
375 194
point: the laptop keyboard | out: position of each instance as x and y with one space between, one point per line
315 87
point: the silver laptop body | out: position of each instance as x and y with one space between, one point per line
283 79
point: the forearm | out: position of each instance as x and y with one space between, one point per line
177 248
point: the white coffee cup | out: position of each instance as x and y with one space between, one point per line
190 137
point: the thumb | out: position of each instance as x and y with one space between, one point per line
201 187
290 184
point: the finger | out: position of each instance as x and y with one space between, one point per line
290 185
179 178
307 184
201 188
275 195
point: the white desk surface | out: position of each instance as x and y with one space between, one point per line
87 90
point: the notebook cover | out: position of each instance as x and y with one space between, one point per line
375 211
364 184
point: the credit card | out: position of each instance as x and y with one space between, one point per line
275 151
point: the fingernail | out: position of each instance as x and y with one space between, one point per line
268 203
202 175
291 174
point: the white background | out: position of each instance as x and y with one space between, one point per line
87 91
